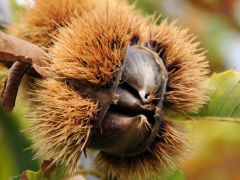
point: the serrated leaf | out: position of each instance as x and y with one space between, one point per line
224 99
224 93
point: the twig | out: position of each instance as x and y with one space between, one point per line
12 84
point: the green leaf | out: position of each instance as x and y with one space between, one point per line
148 7
13 144
46 172
176 175
16 10
224 99
224 93
171 174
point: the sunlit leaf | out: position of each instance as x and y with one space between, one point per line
224 99
224 96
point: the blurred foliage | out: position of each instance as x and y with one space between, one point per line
213 21
171 174
16 10
213 138
147 7
215 151
177 175
13 154
218 139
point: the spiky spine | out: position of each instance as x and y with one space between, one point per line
93 45
171 143
90 48
42 21
63 124
186 63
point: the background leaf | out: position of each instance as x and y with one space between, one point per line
224 94
13 144
224 100
177 175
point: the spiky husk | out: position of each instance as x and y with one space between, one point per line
90 47
41 22
63 124
170 144
186 63
76 45
93 46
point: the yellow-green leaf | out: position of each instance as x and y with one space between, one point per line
224 99
224 94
